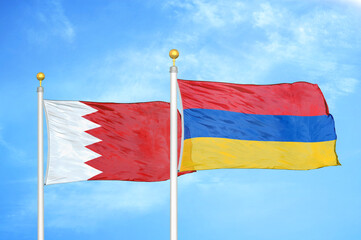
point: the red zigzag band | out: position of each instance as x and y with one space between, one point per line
135 144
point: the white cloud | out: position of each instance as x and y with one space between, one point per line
52 22
353 2
211 13
313 44
307 41
348 85
267 16
134 75
11 149
338 87
84 205
224 186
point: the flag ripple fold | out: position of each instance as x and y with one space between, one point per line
108 141
280 126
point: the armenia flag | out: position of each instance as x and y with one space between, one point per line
280 126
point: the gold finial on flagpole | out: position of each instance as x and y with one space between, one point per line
40 76
173 54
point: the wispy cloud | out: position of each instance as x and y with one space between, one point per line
80 204
209 13
267 16
13 151
84 205
276 44
52 22
136 75
335 88
352 2
220 186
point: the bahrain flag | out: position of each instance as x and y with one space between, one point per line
108 141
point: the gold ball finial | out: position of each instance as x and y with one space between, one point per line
40 76
173 54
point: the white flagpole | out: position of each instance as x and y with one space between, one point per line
40 76
173 148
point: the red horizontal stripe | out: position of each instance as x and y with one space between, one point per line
135 141
298 99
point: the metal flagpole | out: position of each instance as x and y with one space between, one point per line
40 76
173 148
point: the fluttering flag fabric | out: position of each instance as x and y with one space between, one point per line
281 126
108 141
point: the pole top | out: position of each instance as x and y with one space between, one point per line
173 54
40 76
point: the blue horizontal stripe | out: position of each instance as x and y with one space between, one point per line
233 125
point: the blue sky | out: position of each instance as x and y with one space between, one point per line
118 51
